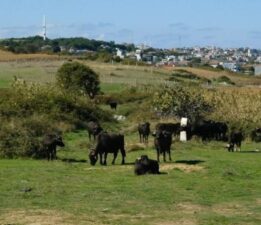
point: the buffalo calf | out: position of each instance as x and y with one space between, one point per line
144 131
93 129
144 165
235 140
50 142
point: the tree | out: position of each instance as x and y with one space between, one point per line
180 102
76 77
55 47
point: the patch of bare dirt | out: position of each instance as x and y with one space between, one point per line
135 147
35 217
189 208
178 222
183 167
230 209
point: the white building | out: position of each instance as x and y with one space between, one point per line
120 53
231 66
257 70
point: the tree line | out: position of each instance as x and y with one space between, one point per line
36 44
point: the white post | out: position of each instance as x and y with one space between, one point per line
183 133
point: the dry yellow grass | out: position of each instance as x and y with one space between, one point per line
236 78
9 56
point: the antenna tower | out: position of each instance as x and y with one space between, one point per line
44 28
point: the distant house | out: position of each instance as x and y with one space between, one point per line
120 53
257 70
72 50
231 66
138 54
63 48
46 48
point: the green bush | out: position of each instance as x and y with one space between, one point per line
180 102
29 111
224 79
17 141
78 78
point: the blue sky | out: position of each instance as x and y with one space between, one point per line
160 23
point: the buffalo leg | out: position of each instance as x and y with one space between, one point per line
54 153
169 155
49 153
140 138
100 158
239 146
123 155
158 155
114 158
105 158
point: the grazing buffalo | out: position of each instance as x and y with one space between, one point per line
50 142
162 142
173 128
256 135
145 165
93 129
144 131
113 104
108 143
235 140
209 130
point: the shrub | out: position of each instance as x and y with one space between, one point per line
78 78
29 111
180 102
224 79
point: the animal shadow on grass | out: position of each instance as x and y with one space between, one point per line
125 164
253 151
190 162
70 160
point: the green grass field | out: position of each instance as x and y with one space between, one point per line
204 184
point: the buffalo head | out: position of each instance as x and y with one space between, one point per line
59 141
93 157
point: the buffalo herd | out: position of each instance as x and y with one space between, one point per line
164 132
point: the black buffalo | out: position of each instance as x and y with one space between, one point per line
173 128
235 140
162 142
145 165
108 143
113 104
256 135
49 143
209 130
93 129
144 131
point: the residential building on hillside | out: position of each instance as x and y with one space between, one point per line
257 70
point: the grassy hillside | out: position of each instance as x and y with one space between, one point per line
203 185
42 68
112 75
